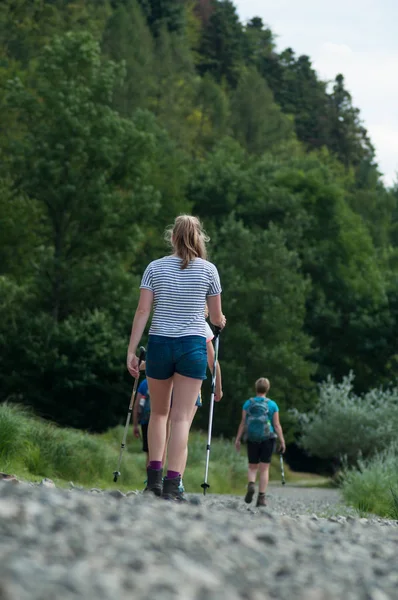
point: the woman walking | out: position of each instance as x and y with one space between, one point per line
177 287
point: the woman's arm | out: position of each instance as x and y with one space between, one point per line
241 429
140 320
210 363
215 311
278 429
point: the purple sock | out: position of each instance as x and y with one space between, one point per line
172 474
156 465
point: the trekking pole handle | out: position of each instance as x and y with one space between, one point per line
142 354
217 331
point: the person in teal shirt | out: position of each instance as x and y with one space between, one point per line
260 420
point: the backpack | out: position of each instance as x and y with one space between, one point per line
144 410
258 423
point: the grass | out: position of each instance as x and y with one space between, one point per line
373 487
32 449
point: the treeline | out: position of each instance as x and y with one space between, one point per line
118 115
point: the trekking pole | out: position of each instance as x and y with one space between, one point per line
282 469
217 332
116 473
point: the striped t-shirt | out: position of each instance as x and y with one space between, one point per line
180 295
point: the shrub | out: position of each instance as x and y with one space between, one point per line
373 487
344 425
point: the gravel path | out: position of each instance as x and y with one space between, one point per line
71 544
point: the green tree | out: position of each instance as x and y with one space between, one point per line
264 297
222 43
257 122
300 93
210 117
348 137
174 98
27 25
164 13
258 42
20 233
82 164
127 38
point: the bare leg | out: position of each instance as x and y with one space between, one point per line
264 477
160 394
185 393
184 463
168 432
252 473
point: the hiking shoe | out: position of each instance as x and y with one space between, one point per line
261 500
171 490
181 487
251 488
154 481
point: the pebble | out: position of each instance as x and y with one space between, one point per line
109 545
48 483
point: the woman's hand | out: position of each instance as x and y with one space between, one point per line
132 364
237 445
220 323
137 433
218 395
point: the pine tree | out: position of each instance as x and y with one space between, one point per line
128 38
222 46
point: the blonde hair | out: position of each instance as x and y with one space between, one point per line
262 385
188 239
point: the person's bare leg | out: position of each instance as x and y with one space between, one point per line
185 393
184 462
252 473
160 393
264 477
168 432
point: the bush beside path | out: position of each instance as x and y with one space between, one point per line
69 544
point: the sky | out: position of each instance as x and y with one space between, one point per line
357 38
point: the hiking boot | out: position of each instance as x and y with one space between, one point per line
251 488
171 489
181 487
154 481
261 500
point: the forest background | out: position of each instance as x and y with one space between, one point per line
115 117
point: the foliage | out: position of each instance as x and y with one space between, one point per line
33 448
36 448
345 426
117 116
267 311
222 43
373 488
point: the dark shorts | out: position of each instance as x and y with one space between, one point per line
144 433
260 451
185 355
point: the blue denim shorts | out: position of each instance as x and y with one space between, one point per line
186 356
